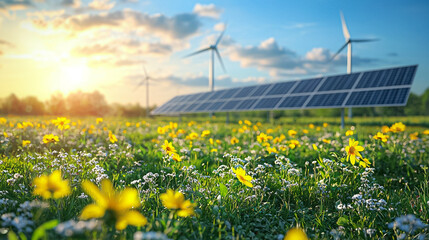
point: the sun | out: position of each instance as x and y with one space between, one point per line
71 77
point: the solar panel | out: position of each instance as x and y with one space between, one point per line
384 87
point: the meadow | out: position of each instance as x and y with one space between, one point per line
95 178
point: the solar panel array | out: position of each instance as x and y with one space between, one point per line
385 87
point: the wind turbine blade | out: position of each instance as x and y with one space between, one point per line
220 59
195 53
345 30
220 37
338 52
138 85
364 40
145 72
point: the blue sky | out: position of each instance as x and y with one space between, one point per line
101 45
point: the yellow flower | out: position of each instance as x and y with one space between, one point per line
5 134
317 128
119 203
295 234
173 125
243 177
62 123
213 150
349 133
112 137
364 163
234 140
263 137
176 157
211 141
311 126
271 150
3 120
51 186
168 147
292 133
381 136
385 129
426 132
305 131
247 122
325 125
205 133
161 130
25 142
315 147
192 136
99 120
326 141
414 136
397 127
295 143
50 138
176 201
240 122
353 150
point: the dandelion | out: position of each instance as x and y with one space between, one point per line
168 147
296 234
349 133
50 138
176 200
381 136
62 123
353 151
51 186
25 142
98 120
397 127
243 177
112 137
119 203
234 140
292 133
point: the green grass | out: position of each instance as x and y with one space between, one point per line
318 191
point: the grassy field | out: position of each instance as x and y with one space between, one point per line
198 179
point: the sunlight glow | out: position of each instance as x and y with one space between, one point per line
72 77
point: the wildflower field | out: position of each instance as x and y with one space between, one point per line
132 179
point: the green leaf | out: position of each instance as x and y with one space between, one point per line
223 190
342 221
12 236
41 230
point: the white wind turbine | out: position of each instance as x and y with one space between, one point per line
213 48
348 43
146 80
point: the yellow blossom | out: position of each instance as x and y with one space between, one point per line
397 127
349 133
192 136
25 142
326 141
325 125
3 120
62 123
263 137
205 133
247 122
305 131
50 138
168 147
119 203
311 126
176 157
51 186
291 133
426 132
385 129
213 150
161 130
295 234
271 150
234 140
364 162
243 177
176 200
381 136
112 137
315 147
414 136
353 150
5 134
99 120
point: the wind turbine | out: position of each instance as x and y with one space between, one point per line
146 79
348 43
213 48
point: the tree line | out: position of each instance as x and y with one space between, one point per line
94 104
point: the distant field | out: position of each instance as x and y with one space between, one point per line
163 178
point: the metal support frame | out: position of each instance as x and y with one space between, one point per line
342 118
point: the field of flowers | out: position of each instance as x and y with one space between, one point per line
132 179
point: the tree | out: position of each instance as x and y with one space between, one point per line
57 104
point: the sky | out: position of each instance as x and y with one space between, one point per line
48 46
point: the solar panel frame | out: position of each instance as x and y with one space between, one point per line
381 87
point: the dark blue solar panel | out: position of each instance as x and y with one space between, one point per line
260 90
246 104
244 92
307 85
293 102
378 97
267 102
176 108
204 96
191 107
202 106
388 77
326 100
230 105
229 93
339 82
216 106
280 88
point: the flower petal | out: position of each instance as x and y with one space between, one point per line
92 211
92 190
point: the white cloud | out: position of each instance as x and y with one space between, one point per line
219 27
101 4
209 10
